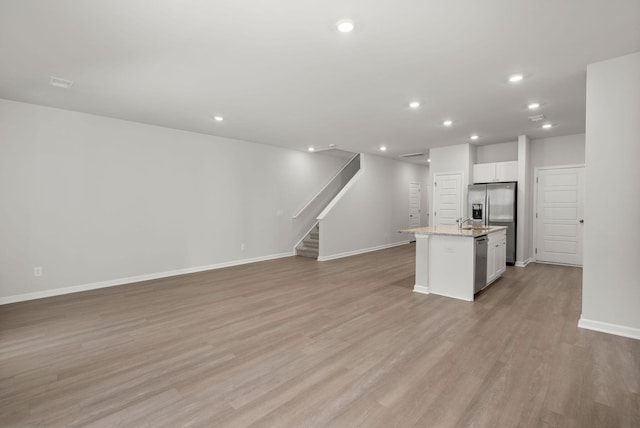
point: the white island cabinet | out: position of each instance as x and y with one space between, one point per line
496 255
446 259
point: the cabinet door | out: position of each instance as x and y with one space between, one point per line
503 252
507 171
491 262
501 257
484 172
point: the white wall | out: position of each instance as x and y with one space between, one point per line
93 199
544 152
502 152
611 276
553 151
558 151
525 205
458 158
373 208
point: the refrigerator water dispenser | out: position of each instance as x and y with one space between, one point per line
476 211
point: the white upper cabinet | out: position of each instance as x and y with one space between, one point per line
484 172
495 172
507 171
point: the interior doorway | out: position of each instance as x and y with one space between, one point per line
414 205
447 198
559 215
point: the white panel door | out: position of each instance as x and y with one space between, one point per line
447 193
559 216
414 204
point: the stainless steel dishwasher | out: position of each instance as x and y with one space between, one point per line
480 269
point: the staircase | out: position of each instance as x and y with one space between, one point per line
306 221
310 244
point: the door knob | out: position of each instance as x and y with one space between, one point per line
581 220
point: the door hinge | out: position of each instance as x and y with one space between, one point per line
536 251
536 215
435 183
536 179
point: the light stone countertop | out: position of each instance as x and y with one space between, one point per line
452 230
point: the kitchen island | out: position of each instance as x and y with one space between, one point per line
446 259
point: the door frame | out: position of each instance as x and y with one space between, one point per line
534 241
434 180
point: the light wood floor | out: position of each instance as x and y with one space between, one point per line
298 343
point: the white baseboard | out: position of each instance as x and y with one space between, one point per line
557 264
132 279
524 263
361 251
605 327
422 289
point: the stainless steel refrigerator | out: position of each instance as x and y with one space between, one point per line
495 204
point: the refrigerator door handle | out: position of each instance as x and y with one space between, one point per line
486 223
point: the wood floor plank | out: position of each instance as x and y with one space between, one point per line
296 342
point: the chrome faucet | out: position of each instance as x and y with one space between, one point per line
462 221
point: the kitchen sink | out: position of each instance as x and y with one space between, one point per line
476 227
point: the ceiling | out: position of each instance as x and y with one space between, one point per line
280 73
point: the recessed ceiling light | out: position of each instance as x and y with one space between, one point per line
547 126
345 25
218 118
474 137
59 82
383 148
515 78
447 122
533 106
414 104
312 149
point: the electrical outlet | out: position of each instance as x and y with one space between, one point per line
37 271
243 247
